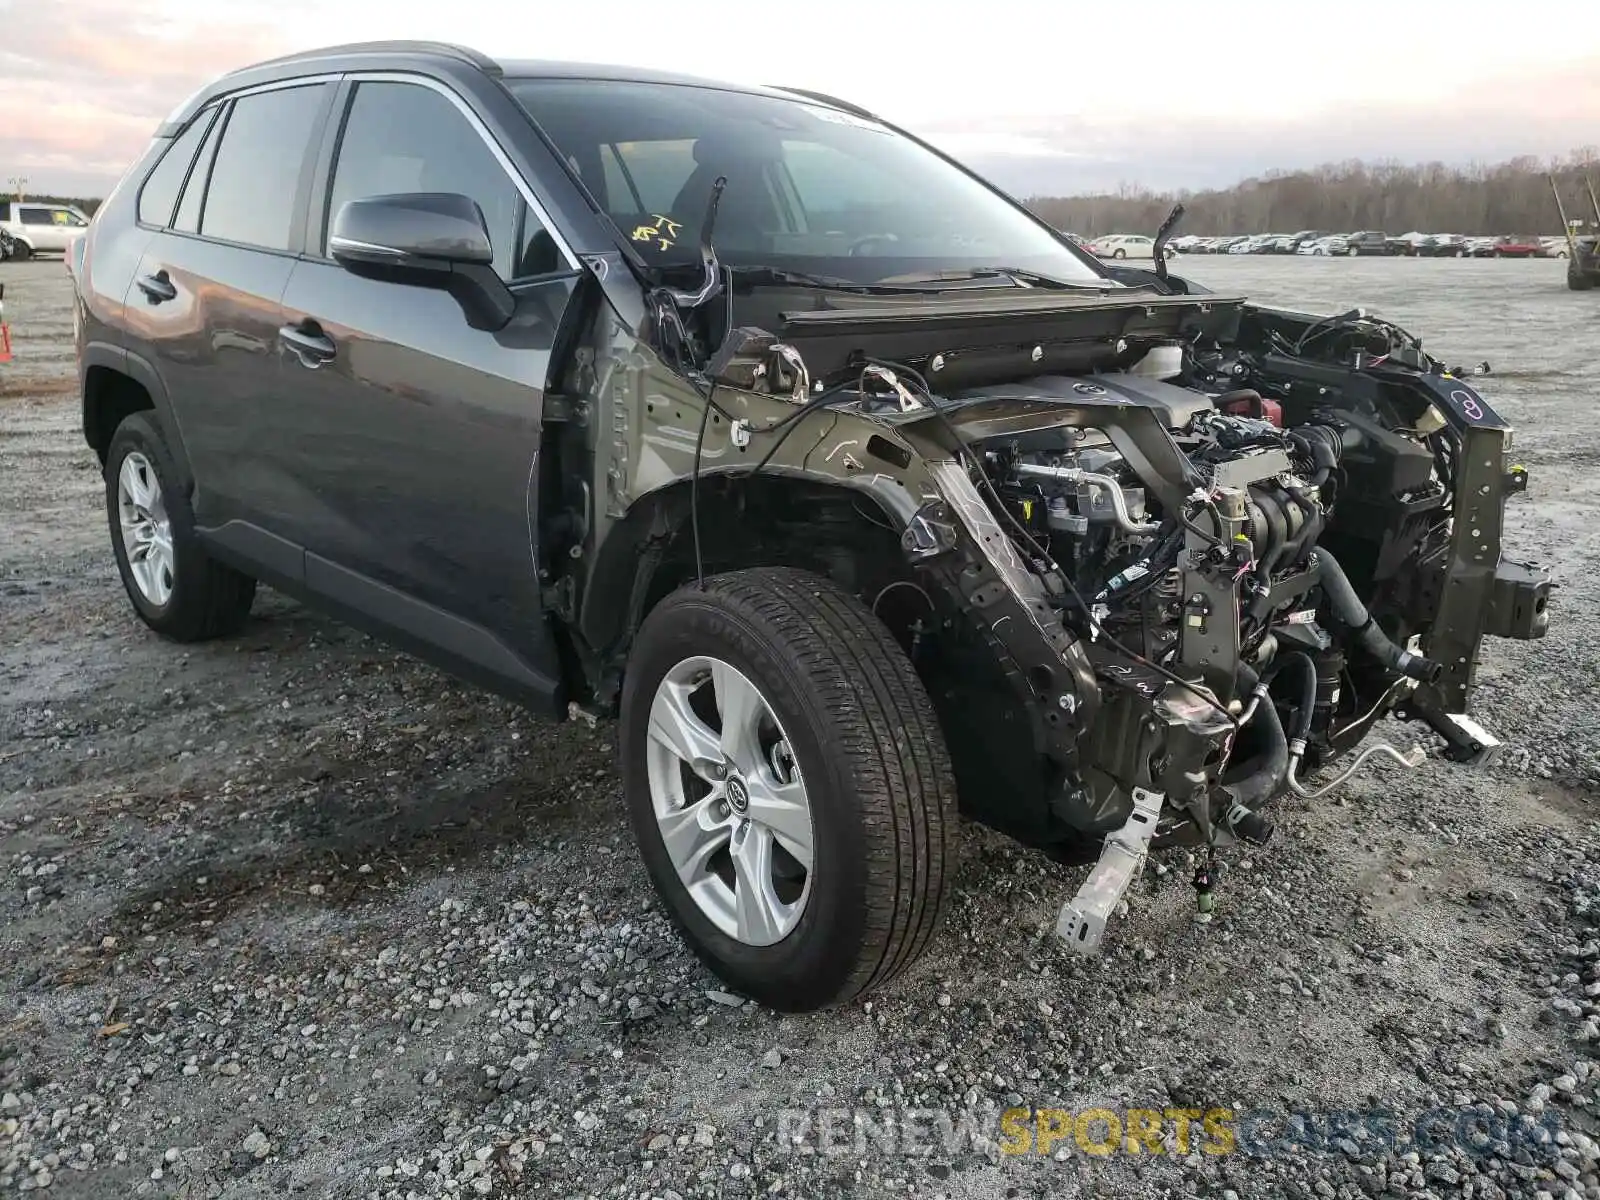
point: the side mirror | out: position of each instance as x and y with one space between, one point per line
425 239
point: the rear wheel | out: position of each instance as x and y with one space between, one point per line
176 588
788 785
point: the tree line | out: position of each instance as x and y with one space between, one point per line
1502 198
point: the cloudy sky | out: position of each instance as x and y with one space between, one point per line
1169 94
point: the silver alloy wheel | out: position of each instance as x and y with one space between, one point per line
146 530
729 800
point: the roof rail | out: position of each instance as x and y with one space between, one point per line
824 98
440 49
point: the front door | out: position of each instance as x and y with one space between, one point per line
412 438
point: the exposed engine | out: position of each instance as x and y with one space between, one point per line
1261 499
1166 568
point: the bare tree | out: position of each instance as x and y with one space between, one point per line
1477 198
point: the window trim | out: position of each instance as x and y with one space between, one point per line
320 221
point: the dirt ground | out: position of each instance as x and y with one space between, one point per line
294 914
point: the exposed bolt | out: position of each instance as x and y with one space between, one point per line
1068 703
719 770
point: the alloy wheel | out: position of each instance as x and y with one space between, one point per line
729 801
146 529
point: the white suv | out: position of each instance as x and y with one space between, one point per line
40 227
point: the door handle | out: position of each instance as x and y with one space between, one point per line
308 343
157 287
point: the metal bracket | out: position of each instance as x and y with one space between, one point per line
1082 922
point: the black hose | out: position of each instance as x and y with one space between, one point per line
1323 446
1308 694
1250 789
1347 607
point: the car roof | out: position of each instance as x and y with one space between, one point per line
449 58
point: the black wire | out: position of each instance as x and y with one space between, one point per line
787 425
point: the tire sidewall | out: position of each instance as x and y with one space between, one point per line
817 956
139 432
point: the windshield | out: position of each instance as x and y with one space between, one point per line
809 188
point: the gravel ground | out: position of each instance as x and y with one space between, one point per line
292 913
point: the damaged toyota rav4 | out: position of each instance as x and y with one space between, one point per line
860 496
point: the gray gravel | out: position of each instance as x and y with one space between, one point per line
292 913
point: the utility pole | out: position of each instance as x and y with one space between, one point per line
18 184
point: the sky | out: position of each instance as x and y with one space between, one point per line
1045 98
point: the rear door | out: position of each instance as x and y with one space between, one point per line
411 441
206 306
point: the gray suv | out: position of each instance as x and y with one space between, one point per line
858 494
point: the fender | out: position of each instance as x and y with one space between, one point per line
132 366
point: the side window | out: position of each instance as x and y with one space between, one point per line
194 192
403 137
256 174
160 192
33 215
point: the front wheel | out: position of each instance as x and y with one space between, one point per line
788 785
1579 280
1119 253
21 251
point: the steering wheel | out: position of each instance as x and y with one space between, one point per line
856 247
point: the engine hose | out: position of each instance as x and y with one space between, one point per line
1249 790
1347 607
1318 442
1308 694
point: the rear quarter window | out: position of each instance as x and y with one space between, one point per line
159 195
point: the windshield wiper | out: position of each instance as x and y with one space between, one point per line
1018 275
779 277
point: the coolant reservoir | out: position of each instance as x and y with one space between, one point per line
1160 362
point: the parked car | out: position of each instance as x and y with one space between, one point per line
1518 245
41 228
1126 245
492 358
1368 241
1333 244
1481 247
1222 245
1443 245
1296 240
1554 247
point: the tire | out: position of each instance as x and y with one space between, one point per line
183 593
1577 280
1119 253
21 251
852 723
